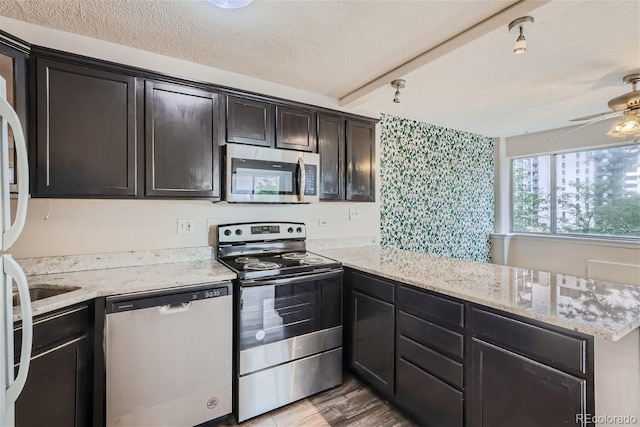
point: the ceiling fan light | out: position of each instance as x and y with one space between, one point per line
230 4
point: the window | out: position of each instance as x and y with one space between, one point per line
603 200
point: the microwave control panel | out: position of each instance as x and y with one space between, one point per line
311 180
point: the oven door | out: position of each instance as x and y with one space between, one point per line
267 175
289 318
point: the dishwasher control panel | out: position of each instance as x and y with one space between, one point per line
164 300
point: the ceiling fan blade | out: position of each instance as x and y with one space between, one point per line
576 128
594 116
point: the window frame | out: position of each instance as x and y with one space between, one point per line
553 196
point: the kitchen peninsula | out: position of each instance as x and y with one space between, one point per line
477 344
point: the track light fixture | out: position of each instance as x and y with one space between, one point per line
397 85
517 27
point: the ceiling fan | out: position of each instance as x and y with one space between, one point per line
627 106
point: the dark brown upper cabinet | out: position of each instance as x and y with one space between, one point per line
181 140
361 160
250 121
86 141
331 149
13 68
295 129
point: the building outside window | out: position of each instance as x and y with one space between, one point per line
601 197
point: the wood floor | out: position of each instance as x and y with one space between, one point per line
350 404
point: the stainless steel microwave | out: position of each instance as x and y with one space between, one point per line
268 175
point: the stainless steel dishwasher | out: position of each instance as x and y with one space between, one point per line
168 356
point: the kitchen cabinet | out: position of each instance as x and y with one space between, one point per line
510 389
295 129
250 121
331 148
86 131
361 160
429 358
523 374
181 141
13 69
371 319
59 387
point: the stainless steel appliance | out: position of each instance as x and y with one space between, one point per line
267 175
169 356
288 331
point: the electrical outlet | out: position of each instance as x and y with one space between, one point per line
354 214
185 226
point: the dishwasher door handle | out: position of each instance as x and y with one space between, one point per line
174 308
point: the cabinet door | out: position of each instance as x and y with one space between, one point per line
182 151
295 129
331 150
361 146
511 390
13 68
250 122
372 348
58 390
86 131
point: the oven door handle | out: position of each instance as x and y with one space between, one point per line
296 279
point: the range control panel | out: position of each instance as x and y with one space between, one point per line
258 231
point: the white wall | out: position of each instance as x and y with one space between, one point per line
575 256
77 227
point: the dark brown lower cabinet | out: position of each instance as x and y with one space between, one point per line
511 390
430 401
58 391
372 333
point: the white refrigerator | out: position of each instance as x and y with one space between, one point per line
13 154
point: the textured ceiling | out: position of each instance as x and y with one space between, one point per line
578 51
325 47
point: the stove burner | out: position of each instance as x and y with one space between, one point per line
246 259
295 255
261 265
312 261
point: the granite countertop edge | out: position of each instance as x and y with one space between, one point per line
92 284
360 258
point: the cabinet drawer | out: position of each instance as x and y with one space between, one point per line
431 307
431 361
373 287
540 344
431 335
52 328
428 399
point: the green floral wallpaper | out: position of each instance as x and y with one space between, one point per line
436 189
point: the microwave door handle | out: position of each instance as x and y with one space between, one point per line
301 179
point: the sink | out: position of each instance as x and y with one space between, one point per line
41 292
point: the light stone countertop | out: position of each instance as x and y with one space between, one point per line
115 281
593 307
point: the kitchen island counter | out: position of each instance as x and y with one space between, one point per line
597 308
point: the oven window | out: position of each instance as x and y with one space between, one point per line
276 312
262 177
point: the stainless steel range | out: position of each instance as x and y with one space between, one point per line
288 328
